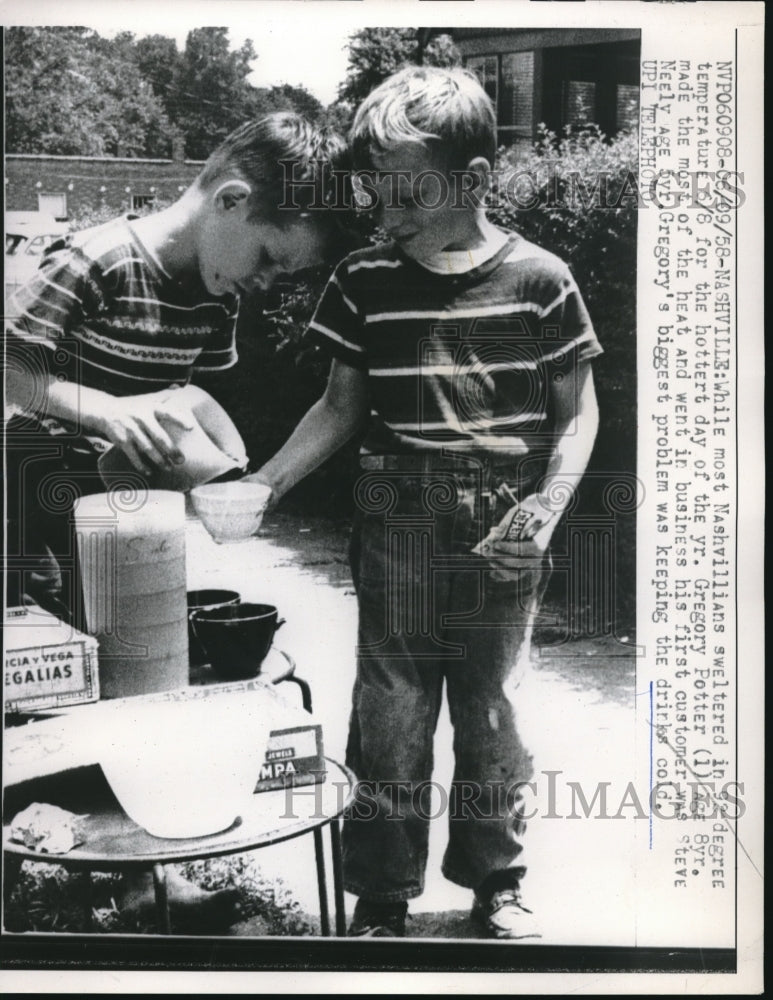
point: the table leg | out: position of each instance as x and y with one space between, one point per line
338 877
324 914
162 900
305 691
88 906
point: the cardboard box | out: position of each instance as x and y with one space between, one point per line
47 663
293 757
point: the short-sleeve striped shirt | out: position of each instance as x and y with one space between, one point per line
127 326
461 361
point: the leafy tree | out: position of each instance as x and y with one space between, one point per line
69 92
211 95
288 97
159 60
376 53
441 51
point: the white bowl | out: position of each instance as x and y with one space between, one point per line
186 768
231 511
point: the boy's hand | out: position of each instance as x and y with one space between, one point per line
135 424
519 542
258 477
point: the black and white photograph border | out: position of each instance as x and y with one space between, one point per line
569 84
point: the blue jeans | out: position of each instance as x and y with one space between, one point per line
429 615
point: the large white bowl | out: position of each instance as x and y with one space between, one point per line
231 512
186 768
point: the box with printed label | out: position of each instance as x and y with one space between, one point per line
293 757
47 663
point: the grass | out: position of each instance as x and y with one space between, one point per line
49 898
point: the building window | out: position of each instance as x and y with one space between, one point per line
627 108
509 82
487 70
591 84
516 99
575 85
140 201
53 204
583 102
579 103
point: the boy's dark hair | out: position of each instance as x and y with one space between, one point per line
446 110
276 155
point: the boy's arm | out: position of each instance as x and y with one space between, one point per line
133 423
577 419
326 427
62 294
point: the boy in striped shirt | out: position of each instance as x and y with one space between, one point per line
118 314
465 351
115 317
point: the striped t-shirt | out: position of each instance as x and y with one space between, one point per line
458 361
125 325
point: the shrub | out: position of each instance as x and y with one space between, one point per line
596 236
89 215
48 898
598 243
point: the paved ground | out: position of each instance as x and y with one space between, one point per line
579 716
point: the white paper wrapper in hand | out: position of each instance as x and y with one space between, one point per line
508 529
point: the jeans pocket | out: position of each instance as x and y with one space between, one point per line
523 590
368 550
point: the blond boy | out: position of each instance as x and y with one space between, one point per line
465 351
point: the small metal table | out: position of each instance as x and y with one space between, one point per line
113 842
277 668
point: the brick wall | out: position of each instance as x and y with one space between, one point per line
93 182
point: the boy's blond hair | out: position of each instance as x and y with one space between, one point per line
445 110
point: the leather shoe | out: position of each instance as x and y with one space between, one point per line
373 918
503 915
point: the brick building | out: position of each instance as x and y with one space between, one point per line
68 187
555 76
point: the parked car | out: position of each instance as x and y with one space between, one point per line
27 234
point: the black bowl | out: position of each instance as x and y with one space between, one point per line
236 637
205 600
